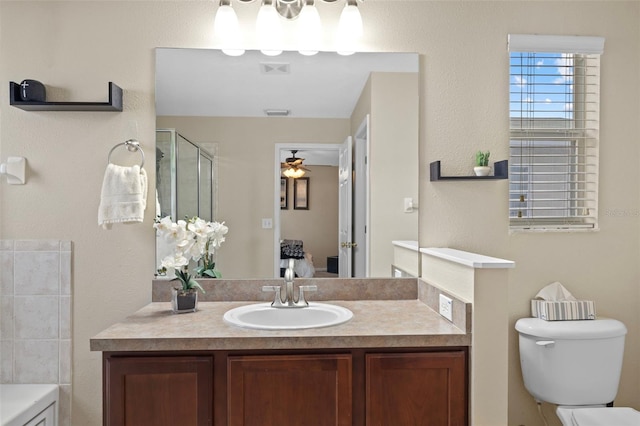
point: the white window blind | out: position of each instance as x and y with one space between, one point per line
554 107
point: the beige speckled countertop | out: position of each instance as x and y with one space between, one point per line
375 323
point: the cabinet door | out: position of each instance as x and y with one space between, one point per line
158 391
291 390
416 389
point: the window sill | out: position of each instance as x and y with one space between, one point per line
541 230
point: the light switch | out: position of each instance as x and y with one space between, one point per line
408 205
267 223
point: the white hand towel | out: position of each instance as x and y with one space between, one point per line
124 195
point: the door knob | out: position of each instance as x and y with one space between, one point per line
348 245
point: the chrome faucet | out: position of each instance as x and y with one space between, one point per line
289 300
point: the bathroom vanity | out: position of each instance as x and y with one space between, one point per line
396 361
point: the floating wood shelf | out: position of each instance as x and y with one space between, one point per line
500 168
114 103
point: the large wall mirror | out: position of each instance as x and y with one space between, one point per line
259 111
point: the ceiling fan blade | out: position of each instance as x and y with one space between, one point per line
293 166
294 160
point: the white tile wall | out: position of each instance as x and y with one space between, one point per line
35 315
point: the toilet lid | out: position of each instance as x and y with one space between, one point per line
619 416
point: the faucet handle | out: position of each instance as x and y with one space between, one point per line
302 301
277 300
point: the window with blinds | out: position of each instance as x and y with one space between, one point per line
554 102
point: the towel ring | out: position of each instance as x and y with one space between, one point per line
133 146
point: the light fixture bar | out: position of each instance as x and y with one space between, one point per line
289 9
269 30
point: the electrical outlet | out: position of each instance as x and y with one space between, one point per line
446 307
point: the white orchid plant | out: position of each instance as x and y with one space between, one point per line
191 239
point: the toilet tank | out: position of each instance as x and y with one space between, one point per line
571 362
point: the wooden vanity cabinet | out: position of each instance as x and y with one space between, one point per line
157 390
418 389
359 387
274 390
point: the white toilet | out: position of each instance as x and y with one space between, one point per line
576 365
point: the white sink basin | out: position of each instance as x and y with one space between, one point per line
263 316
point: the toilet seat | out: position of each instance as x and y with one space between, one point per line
600 416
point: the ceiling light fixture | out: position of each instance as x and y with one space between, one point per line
269 30
292 166
294 173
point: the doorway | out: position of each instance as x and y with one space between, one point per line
305 223
326 152
361 206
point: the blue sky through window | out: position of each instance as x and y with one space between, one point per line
541 85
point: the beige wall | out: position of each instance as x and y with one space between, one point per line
75 48
393 162
391 101
248 144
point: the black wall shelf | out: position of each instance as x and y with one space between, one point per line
500 168
114 104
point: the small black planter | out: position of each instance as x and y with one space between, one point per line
183 301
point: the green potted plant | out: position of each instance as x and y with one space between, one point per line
193 239
482 164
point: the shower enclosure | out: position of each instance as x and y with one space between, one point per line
185 176
185 182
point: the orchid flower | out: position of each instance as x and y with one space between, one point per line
194 239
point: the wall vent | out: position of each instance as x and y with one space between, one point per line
272 68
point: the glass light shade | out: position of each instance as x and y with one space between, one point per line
293 173
227 30
349 29
269 30
309 30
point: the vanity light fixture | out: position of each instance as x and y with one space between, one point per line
269 30
227 29
349 28
309 29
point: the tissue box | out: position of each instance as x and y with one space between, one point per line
563 311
